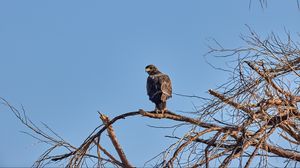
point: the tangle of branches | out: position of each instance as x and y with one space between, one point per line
247 121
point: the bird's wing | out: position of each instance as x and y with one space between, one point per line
165 85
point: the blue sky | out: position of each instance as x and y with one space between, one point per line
66 60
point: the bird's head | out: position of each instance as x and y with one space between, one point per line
151 69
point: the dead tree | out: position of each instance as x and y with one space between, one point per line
247 121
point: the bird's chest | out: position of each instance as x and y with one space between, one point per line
153 82
154 79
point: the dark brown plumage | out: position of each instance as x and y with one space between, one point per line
159 88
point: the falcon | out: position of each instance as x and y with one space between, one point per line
159 88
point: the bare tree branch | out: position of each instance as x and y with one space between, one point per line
113 138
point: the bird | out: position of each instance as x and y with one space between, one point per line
159 88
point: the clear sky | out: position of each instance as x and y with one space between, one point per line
66 60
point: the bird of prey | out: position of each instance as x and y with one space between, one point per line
159 88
